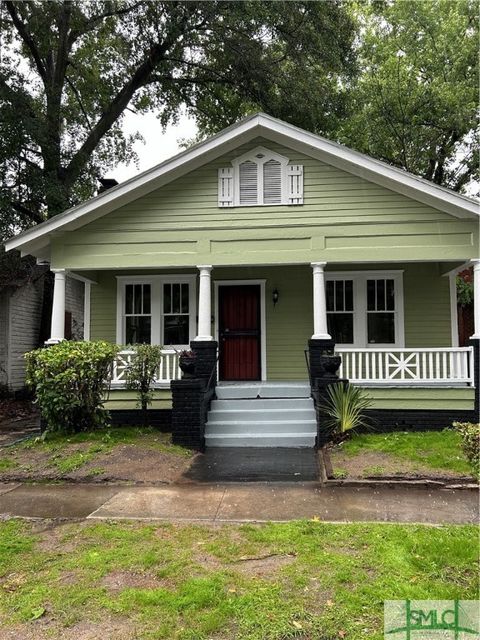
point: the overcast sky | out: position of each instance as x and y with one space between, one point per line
158 145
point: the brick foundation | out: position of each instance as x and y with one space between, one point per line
161 419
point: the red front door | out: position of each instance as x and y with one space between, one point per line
239 332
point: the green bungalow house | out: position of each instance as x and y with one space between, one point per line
264 241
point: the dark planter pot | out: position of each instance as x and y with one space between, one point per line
187 366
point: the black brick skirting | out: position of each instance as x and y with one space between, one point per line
386 420
161 419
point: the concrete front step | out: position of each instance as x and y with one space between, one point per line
258 428
296 440
263 390
255 415
260 404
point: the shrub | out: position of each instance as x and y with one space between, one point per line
344 407
70 380
140 374
470 433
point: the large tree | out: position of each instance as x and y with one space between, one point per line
71 68
415 105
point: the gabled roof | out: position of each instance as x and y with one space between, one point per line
36 239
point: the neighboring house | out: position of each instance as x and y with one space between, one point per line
269 240
22 307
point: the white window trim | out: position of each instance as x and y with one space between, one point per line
263 325
251 155
360 306
156 283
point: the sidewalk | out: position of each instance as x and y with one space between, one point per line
248 502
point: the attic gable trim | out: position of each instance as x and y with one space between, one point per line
260 125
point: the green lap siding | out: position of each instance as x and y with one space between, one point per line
344 218
123 399
461 399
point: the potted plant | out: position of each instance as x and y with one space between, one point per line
187 362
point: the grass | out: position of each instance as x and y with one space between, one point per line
6 464
67 453
332 585
439 450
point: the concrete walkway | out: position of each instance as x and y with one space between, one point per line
254 502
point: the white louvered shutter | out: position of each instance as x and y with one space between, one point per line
272 182
295 183
225 187
248 182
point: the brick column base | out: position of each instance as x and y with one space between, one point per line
323 366
189 412
206 358
475 343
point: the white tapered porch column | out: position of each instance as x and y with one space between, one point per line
205 303
57 332
320 331
476 299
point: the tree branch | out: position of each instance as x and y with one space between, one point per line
32 215
27 39
118 104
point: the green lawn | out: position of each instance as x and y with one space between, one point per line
303 579
440 450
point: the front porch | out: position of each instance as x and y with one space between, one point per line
393 324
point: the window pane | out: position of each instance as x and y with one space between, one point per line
371 295
381 328
339 295
146 298
137 329
137 299
272 182
330 295
380 295
340 327
176 298
167 298
175 329
348 295
390 295
248 182
184 298
129 298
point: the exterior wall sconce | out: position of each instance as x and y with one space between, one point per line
275 296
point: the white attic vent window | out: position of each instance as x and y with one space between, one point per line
260 177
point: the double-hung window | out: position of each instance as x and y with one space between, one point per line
365 309
156 310
138 313
340 311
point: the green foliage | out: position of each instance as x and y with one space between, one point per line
440 450
470 433
344 407
70 381
69 70
415 102
140 374
464 292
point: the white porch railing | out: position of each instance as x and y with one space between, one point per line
427 367
167 371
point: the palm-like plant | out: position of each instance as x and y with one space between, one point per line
345 407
